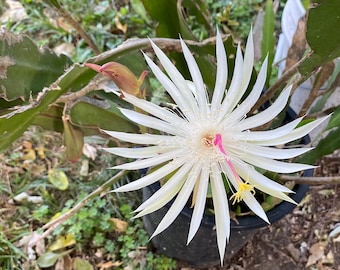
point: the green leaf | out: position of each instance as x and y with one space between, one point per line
14 123
334 121
326 146
100 118
25 69
73 139
50 119
165 13
58 179
138 7
268 38
323 24
48 259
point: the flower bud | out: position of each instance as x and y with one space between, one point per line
122 76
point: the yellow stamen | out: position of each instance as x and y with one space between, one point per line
243 188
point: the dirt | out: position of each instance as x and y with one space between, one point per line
301 239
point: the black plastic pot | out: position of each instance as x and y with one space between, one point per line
202 251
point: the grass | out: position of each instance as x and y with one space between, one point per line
101 232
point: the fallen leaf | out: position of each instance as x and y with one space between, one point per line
108 265
62 242
58 179
81 264
120 225
14 13
316 253
90 151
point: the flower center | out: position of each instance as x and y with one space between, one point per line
208 140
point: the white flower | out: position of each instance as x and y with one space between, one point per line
206 138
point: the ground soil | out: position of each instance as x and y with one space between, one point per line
301 239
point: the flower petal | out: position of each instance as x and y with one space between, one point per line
221 209
140 152
152 177
166 192
149 162
231 95
139 138
274 165
268 114
241 110
199 204
294 134
268 152
183 97
197 79
152 122
160 112
236 91
221 74
270 135
179 202
263 183
254 206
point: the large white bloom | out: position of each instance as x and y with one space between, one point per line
206 138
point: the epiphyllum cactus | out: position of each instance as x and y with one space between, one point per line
207 138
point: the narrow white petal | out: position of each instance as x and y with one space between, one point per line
159 112
196 78
294 134
149 162
248 172
184 94
270 135
263 183
152 122
231 96
268 114
221 74
268 152
151 178
221 209
238 90
179 203
274 165
140 152
254 206
168 190
199 207
251 99
139 138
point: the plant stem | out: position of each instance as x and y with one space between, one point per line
93 85
278 85
334 180
67 16
50 226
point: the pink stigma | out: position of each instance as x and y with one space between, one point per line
218 142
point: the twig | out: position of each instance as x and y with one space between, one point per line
321 77
50 226
63 13
93 85
144 43
283 80
333 180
